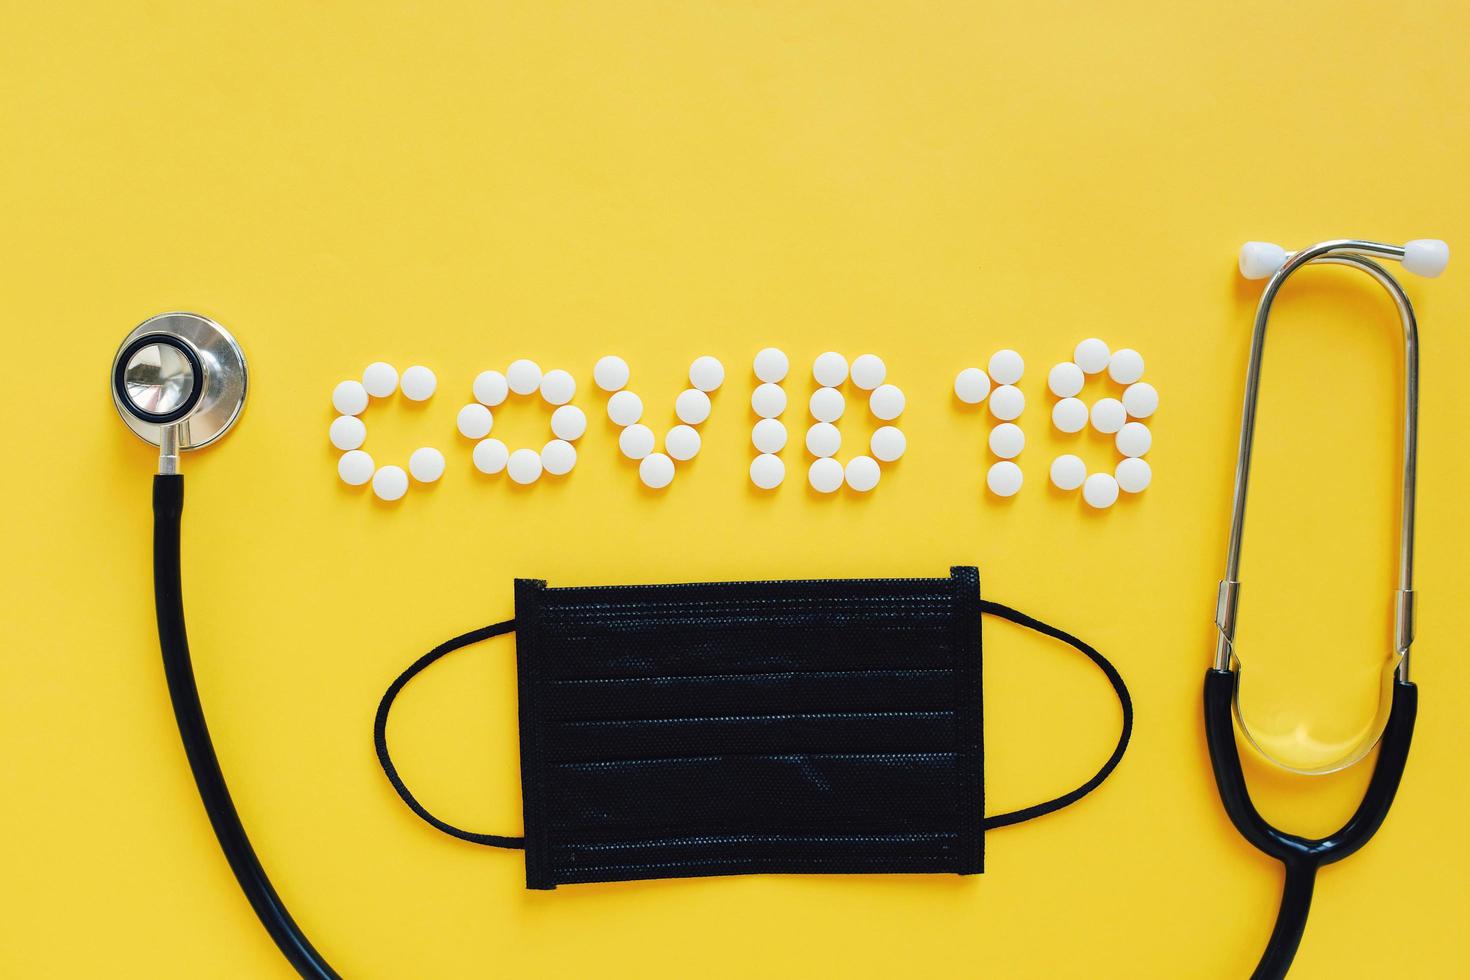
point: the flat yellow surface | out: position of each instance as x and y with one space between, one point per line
460 184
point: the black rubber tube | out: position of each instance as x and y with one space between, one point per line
168 508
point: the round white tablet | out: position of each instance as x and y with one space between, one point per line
1133 439
1108 415
769 436
474 421
426 464
347 432
830 369
355 468
568 422
825 475
706 373
390 483
888 443
1006 367
1065 379
624 408
886 402
1007 403
767 471
418 383
861 473
558 386
610 373
656 471
682 442
971 386
524 466
1069 415
558 457
1141 399
1092 355
826 404
523 376
868 371
768 400
1003 478
490 388
692 406
771 364
490 456
1100 490
1068 472
1126 366
636 441
823 439
380 379
1133 475
349 398
1007 440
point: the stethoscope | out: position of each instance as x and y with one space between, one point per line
179 382
1394 726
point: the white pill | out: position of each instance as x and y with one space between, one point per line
868 371
1003 478
1007 440
474 421
768 400
1065 379
490 456
1007 403
347 432
1068 472
861 473
771 364
524 466
426 464
1006 367
568 422
636 441
1092 355
490 388
380 379
692 406
624 408
1133 439
610 373
767 471
1133 475
390 483
886 402
830 369
1108 415
558 457
350 398
1100 490
656 471
769 436
706 373
1126 366
355 468
826 404
888 443
823 439
825 475
523 376
418 383
1069 415
971 386
1141 399
682 442
558 386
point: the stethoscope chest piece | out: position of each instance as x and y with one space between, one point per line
179 371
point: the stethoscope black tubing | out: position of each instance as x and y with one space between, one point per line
168 508
1302 856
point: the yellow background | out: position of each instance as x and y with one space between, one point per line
461 184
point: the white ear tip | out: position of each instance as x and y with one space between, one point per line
1260 260
1426 257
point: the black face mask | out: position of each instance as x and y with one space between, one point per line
830 726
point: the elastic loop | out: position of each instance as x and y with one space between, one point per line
380 736
1124 701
